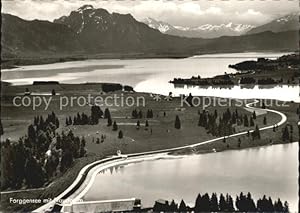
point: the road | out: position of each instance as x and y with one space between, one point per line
94 168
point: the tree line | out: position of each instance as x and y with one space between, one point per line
40 155
224 203
84 119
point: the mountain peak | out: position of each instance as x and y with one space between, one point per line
85 7
159 25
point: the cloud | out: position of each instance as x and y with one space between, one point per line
177 12
214 10
191 8
253 17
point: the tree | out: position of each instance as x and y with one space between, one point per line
31 134
239 142
286 207
251 121
82 150
115 126
177 122
250 203
278 207
182 207
256 133
53 92
265 120
66 160
134 113
254 115
198 203
34 175
205 203
214 207
96 114
106 113
222 203
285 134
70 120
1 128
138 124
120 135
173 207
140 115
149 113
229 202
263 105
109 121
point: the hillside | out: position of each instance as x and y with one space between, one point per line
285 23
20 36
89 32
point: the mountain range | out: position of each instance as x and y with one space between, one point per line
203 31
90 31
285 23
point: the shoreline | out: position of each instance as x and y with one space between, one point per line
83 162
145 155
11 63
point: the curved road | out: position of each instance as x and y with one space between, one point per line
88 173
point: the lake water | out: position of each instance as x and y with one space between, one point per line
270 170
267 170
152 75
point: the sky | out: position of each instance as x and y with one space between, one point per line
189 13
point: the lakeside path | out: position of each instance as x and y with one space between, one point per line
87 174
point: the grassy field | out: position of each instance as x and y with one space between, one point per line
163 135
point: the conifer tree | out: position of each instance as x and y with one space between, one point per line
182 207
115 126
256 133
265 120
177 122
106 113
251 122
285 134
214 207
173 207
120 134
254 115
109 121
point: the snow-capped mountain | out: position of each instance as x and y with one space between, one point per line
159 25
204 31
285 23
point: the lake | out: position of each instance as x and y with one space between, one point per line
269 170
152 75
